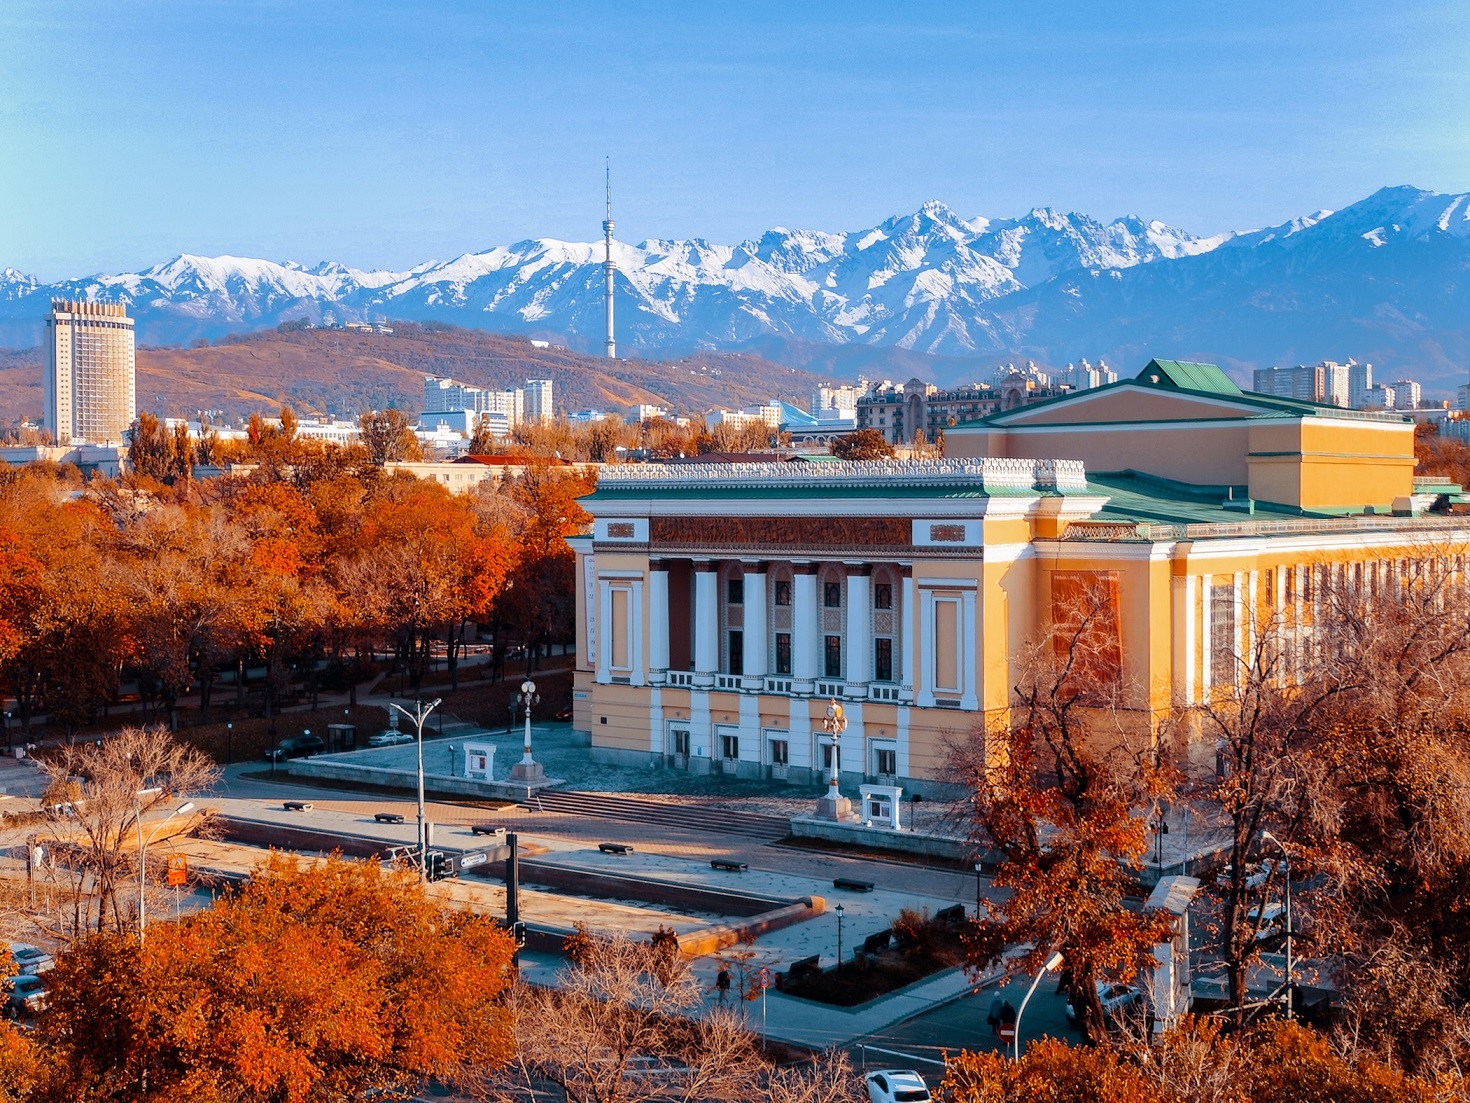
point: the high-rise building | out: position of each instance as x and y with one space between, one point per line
89 385
1360 382
538 400
1407 394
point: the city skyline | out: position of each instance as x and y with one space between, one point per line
381 137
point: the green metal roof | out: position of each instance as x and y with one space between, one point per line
1135 496
1186 375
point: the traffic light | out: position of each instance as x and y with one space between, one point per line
518 932
437 868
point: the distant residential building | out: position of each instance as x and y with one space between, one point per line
1378 397
1407 394
89 385
1329 382
1360 382
333 432
901 411
587 417
646 411
768 416
90 459
837 398
538 400
1084 376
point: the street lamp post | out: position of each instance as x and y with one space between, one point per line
1286 879
187 806
834 806
229 743
1050 967
418 716
840 910
527 770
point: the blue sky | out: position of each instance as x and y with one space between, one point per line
385 134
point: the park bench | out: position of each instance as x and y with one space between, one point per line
730 864
953 916
877 943
296 805
852 884
615 848
485 829
388 817
805 967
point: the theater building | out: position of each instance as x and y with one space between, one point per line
721 606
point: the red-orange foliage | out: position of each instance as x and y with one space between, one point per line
312 984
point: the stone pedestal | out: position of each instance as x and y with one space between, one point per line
838 810
529 773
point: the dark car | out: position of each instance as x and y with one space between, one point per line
564 713
296 746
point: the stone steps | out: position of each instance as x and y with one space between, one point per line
695 817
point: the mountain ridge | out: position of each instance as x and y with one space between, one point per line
1382 279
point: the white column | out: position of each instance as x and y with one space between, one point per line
706 624
756 630
859 632
636 635
1188 637
971 677
906 614
804 629
658 622
604 630
926 655
1207 633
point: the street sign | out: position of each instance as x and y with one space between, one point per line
178 870
765 978
1008 1033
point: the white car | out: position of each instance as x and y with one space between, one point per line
1116 999
389 737
896 1086
1270 923
30 961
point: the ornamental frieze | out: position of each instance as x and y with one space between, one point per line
782 532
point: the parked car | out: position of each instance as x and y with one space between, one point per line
564 713
296 746
896 1086
27 996
30 960
1270 922
1118 1001
389 737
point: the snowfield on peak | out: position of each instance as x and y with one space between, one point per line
1046 284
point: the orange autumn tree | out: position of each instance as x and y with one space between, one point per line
314 983
424 565
1059 802
539 602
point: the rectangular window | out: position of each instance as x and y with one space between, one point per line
620 629
681 742
735 591
1223 642
832 655
886 761
882 659
783 592
1086 622
778 752
736 659
832 595
783 652
827 757
730 746
883 596
947 646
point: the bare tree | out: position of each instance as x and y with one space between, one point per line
622 1026
99 797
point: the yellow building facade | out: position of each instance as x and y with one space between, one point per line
721 606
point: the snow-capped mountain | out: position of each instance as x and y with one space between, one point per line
1382 279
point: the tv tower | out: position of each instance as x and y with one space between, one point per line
608 266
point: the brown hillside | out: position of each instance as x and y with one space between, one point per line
319 371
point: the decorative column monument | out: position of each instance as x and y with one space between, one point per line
834 806
527 770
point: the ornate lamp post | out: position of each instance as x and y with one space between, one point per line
527 770
834 806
